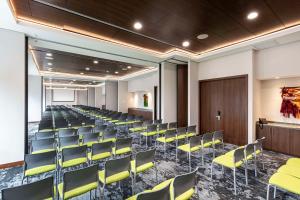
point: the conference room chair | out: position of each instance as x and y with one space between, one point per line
161 194
45 126
99 129
100 151
138 118
162 128
259 152
90 139
122 146
44 135
150 132
42 145
144 160
168 137
172 125
157 121
115 171
79 182
68 142
181 133
71 157
137 127
193 146
37 164
109 134
249 151
60 124
191 131
206 142
84 131
42 189
66 132
231 162
217 140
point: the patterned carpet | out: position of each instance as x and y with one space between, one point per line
221 187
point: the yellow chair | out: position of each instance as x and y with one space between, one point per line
122 146
151 131
100 151
293 161
169 137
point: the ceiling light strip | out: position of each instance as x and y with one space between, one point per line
70 85
56 88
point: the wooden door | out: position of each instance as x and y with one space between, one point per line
228 99
182 95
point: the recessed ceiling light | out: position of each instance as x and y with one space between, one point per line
49 54
124 69
116 72
94 81
87 69
138 25
185 43
277 77
252 15
50 64
49 58
74 80
202 36
81 73
129 67
107 71
95 61
90 83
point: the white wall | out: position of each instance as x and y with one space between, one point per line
48 97
123 96
81 97
91 97
34 98
169 92
12 96
193 93
111 95
271 99
100 96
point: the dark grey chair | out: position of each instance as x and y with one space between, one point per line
167 138
172 125
218 139
157 121
207 142
162 128
45 162
100 151
43 145
151 131
122 146
44 135
84 130
109 135
90 139
249 155
191 131
86 177
66 132
42 189
99 129
68 142
162 194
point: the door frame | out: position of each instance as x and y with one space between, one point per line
223 78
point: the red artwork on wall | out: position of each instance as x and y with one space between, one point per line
290 102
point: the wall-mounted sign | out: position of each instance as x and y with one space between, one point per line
290 102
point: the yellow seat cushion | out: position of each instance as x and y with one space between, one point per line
180 137
162 131
69 146
147 134
137 129
77 191
113 178
108 140
216 142
162 185
99 156
286 182
39 170
227 161
72 162
164 140
290 170
293 161
42 151
140 168
186 148
191 134
186 195
121 151
89 144
134 197
207 144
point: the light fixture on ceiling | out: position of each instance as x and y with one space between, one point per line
49 63
186 43
49 58
277 77
124 69
87 69
94 81
116 72
74 80
137 25
129 67
81 73
95 62
49 54
252 15
202 36
90 83
107 71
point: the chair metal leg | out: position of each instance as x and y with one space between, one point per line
211 170
246 172
234 181
165 149
255 165
214 153
156 174
146 142
202 156
275 189
90 194
176 150
222 169
190 165
262 158
268 192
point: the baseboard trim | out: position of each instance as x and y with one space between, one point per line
12 164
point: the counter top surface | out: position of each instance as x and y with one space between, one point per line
143 109
283 125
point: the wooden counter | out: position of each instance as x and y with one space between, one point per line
280 137
146 113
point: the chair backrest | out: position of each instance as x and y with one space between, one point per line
84 130
144 157
117 165
147 122
163 126
181 131
191 129
170 133
66 132
123 143
99 129
102 147
249 149
162 194
157 121
195 141
207 137
130 118
43 144
259 144
92 137
138 118
40 159
183 183
42 189
109 133
152 128
218 135
137 124
238 155
173 125
80 177
66 141
74 152
44 135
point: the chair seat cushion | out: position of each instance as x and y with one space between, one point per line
43 151
76 191
149 133
180 137
290 170
162 185
286 182
99 156
72 162
121 151
227 161
162 131
216 142
186 195
137 129
113 178
186 148
164 140
134 197
190 134
39 170
293 161
207 144
140 168
108 140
